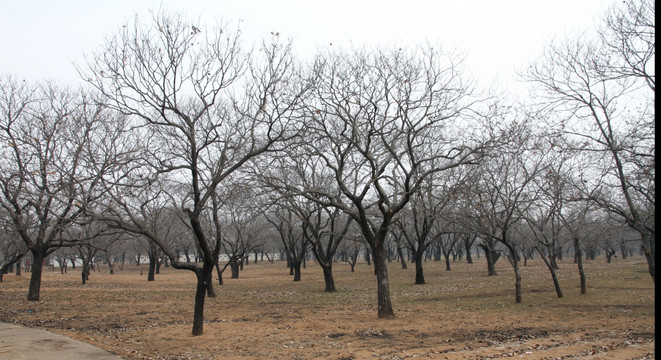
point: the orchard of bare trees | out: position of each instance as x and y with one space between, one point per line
192 149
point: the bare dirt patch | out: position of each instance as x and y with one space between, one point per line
460 314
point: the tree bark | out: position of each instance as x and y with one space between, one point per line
447 262
296 266
234 268
401 257
649 250
152 268
211 292
198 313
469 257
385 310
579 261
35 278
328 278
549 264
517 273
419 274
491 257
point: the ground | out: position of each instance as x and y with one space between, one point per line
458 314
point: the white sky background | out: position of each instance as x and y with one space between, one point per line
42 39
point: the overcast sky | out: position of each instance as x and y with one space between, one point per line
41 39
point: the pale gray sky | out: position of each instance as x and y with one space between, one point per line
41 39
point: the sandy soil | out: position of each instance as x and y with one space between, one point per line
458 314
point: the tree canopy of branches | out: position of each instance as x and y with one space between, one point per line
377 124
55 145
201 106
600 96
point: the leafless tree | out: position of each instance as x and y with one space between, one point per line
380 122
504 189
543 217
201 107
51 139
242 223
290 227
422 222
12 248
599 94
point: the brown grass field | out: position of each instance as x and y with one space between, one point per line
458 314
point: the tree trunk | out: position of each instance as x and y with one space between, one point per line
328 278
649 249
211 292
152 268
554 275
469 257
419 274
517 279
447 262
579 261
609 256
401 257
385 310
556 283
198 313
35 278
296 265
220 274
83 274
514 260
490 255
234 268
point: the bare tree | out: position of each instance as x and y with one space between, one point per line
240 216
201 107
379 123
325 229
51 138
12 249
504 190
543 217
290 227
421 223
601 98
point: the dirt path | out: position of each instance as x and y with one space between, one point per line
19 342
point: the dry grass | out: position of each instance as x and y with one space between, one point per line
461 314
